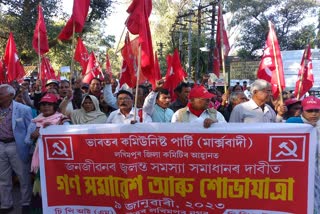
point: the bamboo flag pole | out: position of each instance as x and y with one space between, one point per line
39 46
277 66
117 49
72 51
222 48
301 76
137 83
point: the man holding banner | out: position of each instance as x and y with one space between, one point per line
198 109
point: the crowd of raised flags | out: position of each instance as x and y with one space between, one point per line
138 54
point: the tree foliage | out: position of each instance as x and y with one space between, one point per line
288 16
20 17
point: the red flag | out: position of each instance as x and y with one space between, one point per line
138 23
108 66
305 76
81 55
130 66
125 75
221 42
175 73
40 33
15 70
46 70
271 68
93 69
78 18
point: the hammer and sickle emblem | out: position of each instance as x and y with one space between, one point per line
59 148
286 150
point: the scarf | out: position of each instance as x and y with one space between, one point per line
40 120
54 119
80 116
194 111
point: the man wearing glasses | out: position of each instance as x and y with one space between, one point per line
126 112
256 110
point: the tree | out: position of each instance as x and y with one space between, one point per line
20 17
287 15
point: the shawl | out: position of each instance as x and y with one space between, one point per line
54 119
80 116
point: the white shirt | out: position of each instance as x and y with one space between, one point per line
117 117
194 118
250 112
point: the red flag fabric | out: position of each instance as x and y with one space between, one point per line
175 73
81 55
93 69
78 18
15 70
125 75
130 65
46 70
2 72
305 76
271 63
221 42
108 66
40 33
138 23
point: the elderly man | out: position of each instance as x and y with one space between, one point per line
14 153
126 112
198 109
311 115
235 98
111 100
256 110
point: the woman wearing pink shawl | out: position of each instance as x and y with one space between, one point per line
48 116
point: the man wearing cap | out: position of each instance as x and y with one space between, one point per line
51 83
256 110
310 112
14 153
311 115
198 109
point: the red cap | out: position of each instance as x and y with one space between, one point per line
310 102
49 98
291 101
200 92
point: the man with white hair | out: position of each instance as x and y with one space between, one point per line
14 153
256 110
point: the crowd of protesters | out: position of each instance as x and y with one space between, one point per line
31 105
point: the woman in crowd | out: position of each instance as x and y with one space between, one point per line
89 113
294 108
48 116
311 115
